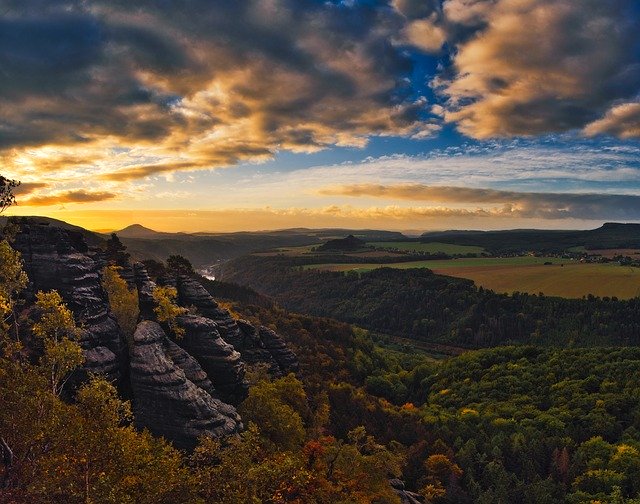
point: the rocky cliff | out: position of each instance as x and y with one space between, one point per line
181 388
56 258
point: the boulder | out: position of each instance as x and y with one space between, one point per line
221 362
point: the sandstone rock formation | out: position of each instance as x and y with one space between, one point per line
56 258
406 497
181 388
166 400
256 345
219 360
262 345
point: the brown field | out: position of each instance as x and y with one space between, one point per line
611 253
570 280
527 274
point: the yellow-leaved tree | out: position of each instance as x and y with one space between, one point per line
57 330
122 300
12 281
167 310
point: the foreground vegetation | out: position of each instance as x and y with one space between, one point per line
504 425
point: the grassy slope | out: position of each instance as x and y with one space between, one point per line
431 247
528 274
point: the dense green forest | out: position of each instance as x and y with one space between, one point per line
419 304
511 424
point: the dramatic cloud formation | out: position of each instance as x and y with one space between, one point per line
213 82
537 66
622 120
127 95
514 204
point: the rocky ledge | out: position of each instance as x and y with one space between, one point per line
56 258
172 394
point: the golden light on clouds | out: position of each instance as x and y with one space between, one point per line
105 103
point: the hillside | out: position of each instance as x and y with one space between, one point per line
610 235
418 304
204 249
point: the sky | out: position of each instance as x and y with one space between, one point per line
211 115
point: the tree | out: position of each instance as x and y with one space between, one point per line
167 310
278 408
116 251
122 300
7 197
12 281
179 265
57 329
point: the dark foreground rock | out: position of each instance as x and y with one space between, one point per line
256 345
181 388
166 400
221 362
57 258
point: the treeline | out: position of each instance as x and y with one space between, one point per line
512 424
419 304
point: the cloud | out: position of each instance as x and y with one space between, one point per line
622 120
58 198
215 83
28 188
513 203
528 67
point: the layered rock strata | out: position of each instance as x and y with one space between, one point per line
56 258
172 394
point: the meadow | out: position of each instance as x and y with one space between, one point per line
563 277
431 247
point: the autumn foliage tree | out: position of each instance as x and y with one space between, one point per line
123 301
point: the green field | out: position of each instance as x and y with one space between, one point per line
431 247
442 264
563 277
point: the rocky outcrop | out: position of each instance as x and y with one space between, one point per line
221 362
170 395
181 388
192 293
256 345
262 345
145 288
57 258
406 497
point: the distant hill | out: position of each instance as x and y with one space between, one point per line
342 244
609 235
207 248
138 231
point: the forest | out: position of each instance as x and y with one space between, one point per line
416 303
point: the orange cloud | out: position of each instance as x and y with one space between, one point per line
74 196
622 120
512 203
533 66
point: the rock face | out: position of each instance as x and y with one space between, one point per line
219 360
256 345
406 497
192 293
171 393
181 388
145 291
262 345
56 258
